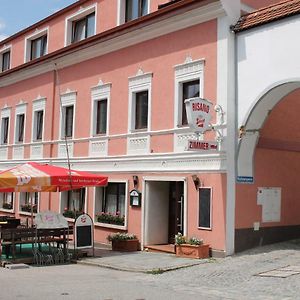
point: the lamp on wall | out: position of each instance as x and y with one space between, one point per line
196 181
135 180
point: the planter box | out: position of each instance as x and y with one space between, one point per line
192 251
127 245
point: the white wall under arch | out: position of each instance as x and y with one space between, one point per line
268 69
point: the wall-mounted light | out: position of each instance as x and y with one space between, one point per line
135 179
196 181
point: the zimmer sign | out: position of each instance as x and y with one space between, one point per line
198 114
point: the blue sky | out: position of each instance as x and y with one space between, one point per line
16 15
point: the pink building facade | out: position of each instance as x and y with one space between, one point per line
109 79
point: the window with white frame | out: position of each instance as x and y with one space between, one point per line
81 25
36 45
7 201
67 123
110 203
5 60
204 217
140 102
29 201
100 107
73 203
188 84
129 10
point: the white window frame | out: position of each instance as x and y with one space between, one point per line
139 83
188 71
5 113
126 206
20 109
99 93
38 105
211 207
3 50
21 201
64 194
67 99
122 11
30 38
81 13
2 201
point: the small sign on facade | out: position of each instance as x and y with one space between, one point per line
198 114
135 198
195 145
245 179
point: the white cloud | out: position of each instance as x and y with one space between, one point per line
2 24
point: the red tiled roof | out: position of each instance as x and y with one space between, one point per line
268 14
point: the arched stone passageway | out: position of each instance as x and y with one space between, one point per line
269 209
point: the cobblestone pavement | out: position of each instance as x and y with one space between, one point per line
230 278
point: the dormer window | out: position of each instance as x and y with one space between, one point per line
5 61
5 58
36 45
80 25
83 28
135 9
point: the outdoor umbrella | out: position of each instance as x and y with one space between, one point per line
35 177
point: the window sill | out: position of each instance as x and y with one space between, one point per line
112 226
25 213
205 228
7 210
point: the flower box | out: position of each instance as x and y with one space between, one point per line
192 251
126 245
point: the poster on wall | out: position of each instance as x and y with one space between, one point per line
270 199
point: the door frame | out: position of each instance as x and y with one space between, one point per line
144 199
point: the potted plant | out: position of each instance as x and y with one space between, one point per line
123 242
7 205
191 248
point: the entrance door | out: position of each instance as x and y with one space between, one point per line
176 204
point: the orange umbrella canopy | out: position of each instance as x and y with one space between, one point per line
35 177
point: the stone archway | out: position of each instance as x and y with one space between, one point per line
273 140
254 121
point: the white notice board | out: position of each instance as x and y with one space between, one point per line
270 199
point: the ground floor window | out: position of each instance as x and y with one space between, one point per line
204 208
73 203
110 204
27 200
7 201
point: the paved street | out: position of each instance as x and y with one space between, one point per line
230 278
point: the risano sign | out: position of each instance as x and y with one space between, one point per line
198 114
201 145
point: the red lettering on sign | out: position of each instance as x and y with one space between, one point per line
200 107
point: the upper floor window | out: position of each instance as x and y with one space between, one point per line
141 110
4 130
38 124
81 25
83 28
5 61
101 118
129 10
67 115
36 45
100 108
190 89
140 101
20 126
135 9
188 84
